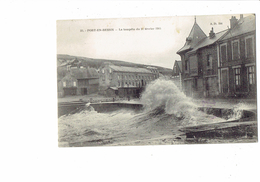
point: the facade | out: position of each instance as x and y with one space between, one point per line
78 81
237 59
124 81
176 74
203 73
199 63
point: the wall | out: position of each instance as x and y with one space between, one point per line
177 81
111 78
243 89
210 78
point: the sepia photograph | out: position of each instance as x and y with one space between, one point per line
130 91
157 81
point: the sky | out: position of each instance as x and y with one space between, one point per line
152 47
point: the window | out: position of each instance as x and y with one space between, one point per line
74 84
249 47
110 71
64 84
251 75
118 77
237 76
186 65
223 53
119 83
235 50
209 61
103 71
195 84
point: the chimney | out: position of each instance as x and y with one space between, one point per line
233 22
211 34
241 16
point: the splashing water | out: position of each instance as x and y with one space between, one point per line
166 111
164 93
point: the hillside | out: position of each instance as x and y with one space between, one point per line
96 63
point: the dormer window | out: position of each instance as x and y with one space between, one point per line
188 40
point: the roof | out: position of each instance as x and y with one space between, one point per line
84 73
208 41
130 86
129 69
69 62
244 25
113 88
196 34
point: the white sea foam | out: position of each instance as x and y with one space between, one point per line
166 110
164 93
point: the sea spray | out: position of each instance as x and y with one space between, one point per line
166 95
237 111
167 110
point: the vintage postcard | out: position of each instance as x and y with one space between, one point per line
157 81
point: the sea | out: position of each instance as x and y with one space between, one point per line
165 111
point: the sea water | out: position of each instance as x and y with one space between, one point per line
166 110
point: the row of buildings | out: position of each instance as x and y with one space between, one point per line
109 79
220 64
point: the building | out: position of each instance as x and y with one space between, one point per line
176 74
124 81
78 81
237 58
199 63
203 73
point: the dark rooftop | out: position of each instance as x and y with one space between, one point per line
244 25
84 73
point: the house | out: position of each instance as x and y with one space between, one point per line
237 58
222 63
124 81
176 74
78 81
199 63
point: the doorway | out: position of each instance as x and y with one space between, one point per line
84 91
224 81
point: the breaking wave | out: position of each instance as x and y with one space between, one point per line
165 94
166 110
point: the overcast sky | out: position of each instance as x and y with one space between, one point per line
152 47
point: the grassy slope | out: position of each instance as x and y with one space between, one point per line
96 63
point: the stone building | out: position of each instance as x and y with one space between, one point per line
176 74
124 81
237 58
207 60
78 81
199 62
